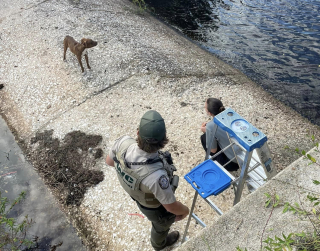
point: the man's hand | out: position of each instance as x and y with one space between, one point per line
181 211
181 217
178 218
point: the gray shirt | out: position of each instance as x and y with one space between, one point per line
135 154
220 138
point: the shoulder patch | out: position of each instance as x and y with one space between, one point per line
164 182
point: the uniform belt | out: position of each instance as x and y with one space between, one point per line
147 208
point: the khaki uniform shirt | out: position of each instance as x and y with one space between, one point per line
135 154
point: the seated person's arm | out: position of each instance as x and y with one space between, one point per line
214 150
203 127
209 126
178 209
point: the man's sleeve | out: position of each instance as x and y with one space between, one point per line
115 146
158 183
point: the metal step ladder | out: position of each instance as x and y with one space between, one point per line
251 152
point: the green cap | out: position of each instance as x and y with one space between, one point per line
152 126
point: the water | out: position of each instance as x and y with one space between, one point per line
17 175
275 43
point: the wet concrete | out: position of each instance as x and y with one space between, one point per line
17 175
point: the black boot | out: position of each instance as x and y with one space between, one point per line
170 240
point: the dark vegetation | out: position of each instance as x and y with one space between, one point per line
67 166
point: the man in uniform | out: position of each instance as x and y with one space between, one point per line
145 177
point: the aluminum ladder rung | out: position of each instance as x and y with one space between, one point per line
194 216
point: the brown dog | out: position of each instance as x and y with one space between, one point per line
78 48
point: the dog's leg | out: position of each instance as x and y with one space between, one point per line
65 45
80 63
87 60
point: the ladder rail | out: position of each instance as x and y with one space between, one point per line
234 152
193 215
190 215
243 175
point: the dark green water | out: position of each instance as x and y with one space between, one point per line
17 175
275 43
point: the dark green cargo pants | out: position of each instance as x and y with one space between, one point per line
161 221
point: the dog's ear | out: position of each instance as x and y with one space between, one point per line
84 42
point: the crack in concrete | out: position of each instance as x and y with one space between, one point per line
220 74
77 105
37 4
113 12
24 9
102 90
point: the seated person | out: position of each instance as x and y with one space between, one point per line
213 107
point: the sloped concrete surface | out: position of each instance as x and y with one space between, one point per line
138 64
